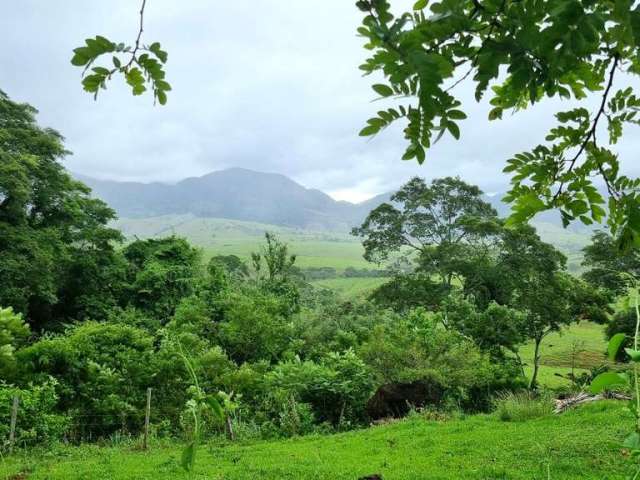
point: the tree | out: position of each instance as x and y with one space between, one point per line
607 266
534 273
559 48
233 264
441 223
275 257
161 273
49 225
13 333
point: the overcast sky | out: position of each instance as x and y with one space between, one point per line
270 85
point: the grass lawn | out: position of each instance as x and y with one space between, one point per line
580 444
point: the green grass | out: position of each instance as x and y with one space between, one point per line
580 444
583 343
232 237
340 250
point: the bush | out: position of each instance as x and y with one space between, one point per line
37 422
522 406
337 388
102 372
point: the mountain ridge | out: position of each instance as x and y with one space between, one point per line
248 195
236 194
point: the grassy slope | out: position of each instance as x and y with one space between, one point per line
582 344
224 237
581 444
315 249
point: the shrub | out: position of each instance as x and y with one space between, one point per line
337 387
522 406
37 422
102 372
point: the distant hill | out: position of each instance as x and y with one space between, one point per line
154 209
236 194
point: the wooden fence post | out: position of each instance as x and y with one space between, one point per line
14 419
147 414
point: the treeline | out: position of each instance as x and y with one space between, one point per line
88 324
320 273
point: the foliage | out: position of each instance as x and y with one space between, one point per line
616 380
522 406
496 329
140 64
199 402
337 387
13 333
563 49
160 273
101 370
37 422
607 267
56 250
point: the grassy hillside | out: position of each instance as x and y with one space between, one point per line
581 444
224 237
314 248
582 345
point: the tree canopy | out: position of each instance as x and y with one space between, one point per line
54 237
519 52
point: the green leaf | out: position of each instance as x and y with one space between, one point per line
606 381
116 62
162 97
614 345
420 4
633 354
188 456
454 130
215 406
81 56
369 130
456 114
632 442
382 90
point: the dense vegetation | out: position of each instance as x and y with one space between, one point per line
89 323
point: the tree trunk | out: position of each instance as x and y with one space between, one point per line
536 363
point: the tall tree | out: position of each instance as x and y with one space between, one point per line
48 224
441 223
607 266
534 274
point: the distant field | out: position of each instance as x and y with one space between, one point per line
225 237
217 236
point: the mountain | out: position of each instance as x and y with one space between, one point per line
267 199
237 194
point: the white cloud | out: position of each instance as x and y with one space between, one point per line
268 85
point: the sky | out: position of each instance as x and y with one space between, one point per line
269 85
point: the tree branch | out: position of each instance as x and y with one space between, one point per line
591 134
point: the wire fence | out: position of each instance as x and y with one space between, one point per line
89 427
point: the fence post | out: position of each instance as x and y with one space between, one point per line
147 414
14 419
